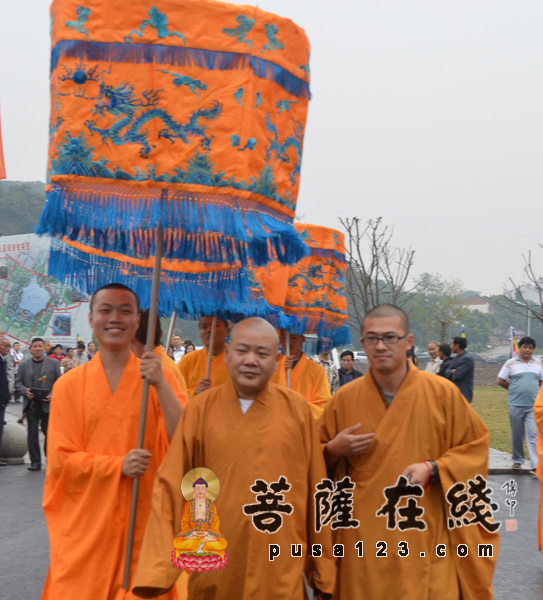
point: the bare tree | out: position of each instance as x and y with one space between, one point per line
376 271
526 299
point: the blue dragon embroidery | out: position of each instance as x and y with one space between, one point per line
245 25
78 25
158 21
129 129
258 100
235 139
193 84
306 237
280 148
304 68
238 95
305 280
284 105
274 43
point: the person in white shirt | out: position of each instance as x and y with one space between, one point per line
521 376
80 353
435 361
178 348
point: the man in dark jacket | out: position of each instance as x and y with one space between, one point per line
462 368
4 386
347 373
446 358
37 373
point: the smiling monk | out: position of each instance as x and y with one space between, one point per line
92 459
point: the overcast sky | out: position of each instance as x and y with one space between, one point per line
427 113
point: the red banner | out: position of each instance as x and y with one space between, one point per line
2 164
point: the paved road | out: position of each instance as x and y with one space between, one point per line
24 547
519 572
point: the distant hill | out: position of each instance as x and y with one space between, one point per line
21 203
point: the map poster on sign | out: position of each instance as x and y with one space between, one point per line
33 304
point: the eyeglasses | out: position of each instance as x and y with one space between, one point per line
389 339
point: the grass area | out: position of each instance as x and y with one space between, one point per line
490 402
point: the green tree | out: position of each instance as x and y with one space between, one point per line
434 307
479 327
21 204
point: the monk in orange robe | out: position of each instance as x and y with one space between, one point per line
538 412
405 438
250 433
91 459
194 365
306 377
140 339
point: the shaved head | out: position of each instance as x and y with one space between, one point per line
386 311
255 324
251 356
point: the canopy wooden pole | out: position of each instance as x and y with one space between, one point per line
287 350
170 330
144 399
210 348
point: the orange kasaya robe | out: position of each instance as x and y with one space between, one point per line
428 419
277 437
308 379
170 364
538 412
86 498
194 365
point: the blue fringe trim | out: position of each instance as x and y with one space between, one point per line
327 253
312 345
191 296
179 56
320 327
197 227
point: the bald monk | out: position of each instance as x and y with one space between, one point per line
306 376
194 364
92 459
399 421
140 339
538 413
245 430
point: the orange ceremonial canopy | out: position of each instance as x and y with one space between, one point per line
311 292
191 112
